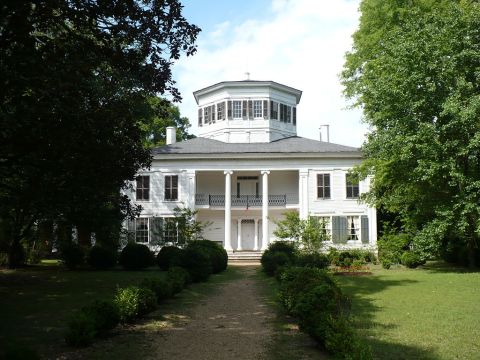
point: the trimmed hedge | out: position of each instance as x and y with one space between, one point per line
197 262
73 255
80 329
101 258
105 315
136 257
169 256
285 247
218 255
134 302
315 260
179 278
411 259
273 261
162 288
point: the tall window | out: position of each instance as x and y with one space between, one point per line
171 187
352 187
326 225
221 111
143 188
237 109
207 114
141 230
273 110
353 227
257 109
289 114
323 186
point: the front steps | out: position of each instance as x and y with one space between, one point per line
245 255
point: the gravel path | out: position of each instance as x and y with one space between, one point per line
234 323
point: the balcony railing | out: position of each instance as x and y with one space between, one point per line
245 201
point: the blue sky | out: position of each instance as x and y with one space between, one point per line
300 43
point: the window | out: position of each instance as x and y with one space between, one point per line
207 114
170 231
237 109
274 110
221 111
326 225
257 109
171 187
141 230
143 188
323 186
352 187
353 227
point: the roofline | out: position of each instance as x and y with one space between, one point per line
256 83
310 155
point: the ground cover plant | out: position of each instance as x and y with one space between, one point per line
428 313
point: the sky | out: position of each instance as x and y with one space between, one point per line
299 43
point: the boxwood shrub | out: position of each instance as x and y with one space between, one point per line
105 315
72 254
80 329
134 302
101 258
315 260
218 255
161 287
285 247
178 278
197 262
169 256
136 256
411 259
273 261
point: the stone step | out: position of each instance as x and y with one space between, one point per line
244 255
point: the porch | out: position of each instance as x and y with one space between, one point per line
246 201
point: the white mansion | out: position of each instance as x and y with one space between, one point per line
248 167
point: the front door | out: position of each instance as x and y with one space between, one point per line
248 234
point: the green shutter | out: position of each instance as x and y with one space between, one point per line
244 109
250 109
364 229
155 227
130 230
229 110
339 229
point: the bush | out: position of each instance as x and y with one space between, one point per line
392 246
285 247
197 262
101 258
136 257
411 259
342 341
273 261
315 260
134 302
218 255
297 280
162 288
178 278
386 263
80 329
169 256
72 255
105 315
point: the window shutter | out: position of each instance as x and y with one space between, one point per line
265 109
250 109
339 229
200 122
156 225
294 116
244 109
271 110
229 104
130 230
364 229
223 110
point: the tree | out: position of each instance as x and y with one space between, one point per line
76 78
414 70
163 114
309 233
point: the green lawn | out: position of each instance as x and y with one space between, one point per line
35 302
429 313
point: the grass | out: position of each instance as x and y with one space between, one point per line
35 302
429 313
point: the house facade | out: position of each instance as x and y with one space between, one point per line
247 169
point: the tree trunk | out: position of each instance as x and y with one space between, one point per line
16 254
471 252
83 236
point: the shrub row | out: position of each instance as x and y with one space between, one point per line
128 304
355 257
313 296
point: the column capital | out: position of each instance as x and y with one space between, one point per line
228 172
263 172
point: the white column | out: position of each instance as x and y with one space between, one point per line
239 235
191 189
255 243
228 210
303 193
265 209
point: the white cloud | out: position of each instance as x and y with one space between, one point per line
301 44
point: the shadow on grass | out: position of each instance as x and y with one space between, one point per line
446 268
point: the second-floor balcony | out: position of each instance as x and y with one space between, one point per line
246 201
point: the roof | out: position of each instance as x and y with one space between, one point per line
254 83
288 146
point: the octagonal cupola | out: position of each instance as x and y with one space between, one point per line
247 111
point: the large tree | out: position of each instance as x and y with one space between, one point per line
76 77
415 71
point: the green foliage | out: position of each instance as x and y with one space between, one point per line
315 260
101 258
178 278
189 228
411 259
197 262
218 255
424 145
80 329
136 257
350 257
273 261
105 315
341 340
169 256
134 302
289 228
392 246
286 247
72 254
162 288
88 70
